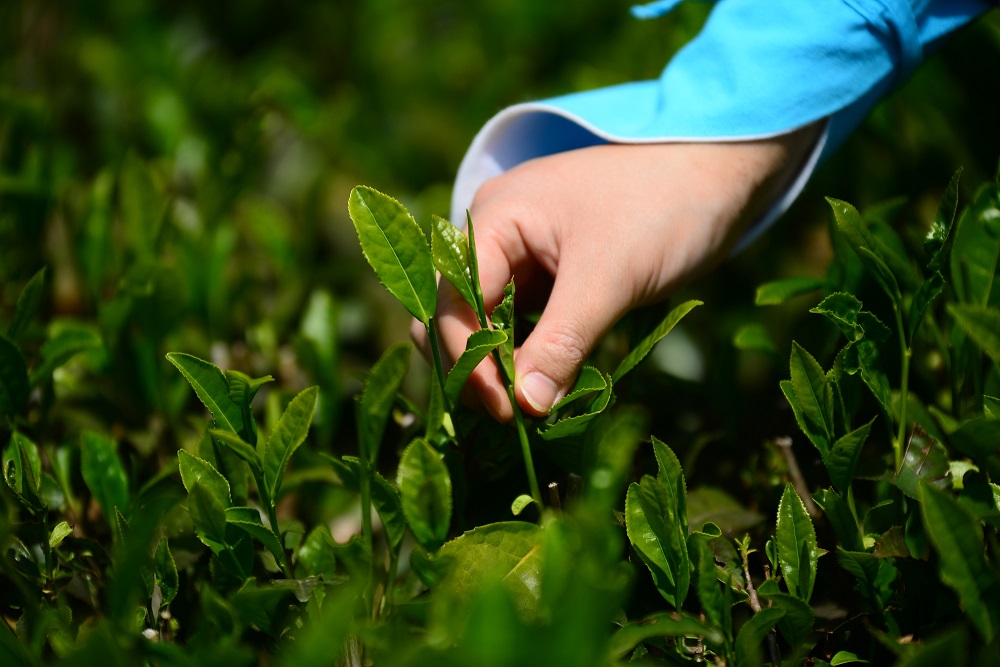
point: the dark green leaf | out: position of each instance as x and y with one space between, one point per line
425 487
397 250
645 346
937 242
797 623
798 551
209 516
978 438
381 388
140 203
844 455
927 292
242 389
166 572
982 324
925 458
841 519
198 471
248 519
65 341
289 433
948 648
874 576
28 304
891 544
589 381
13 379
779 291
958 539
709 590
212 389
477 348
749 641
708 504
663 624
238 446
450 252
842 309
672 477
974 251
104 474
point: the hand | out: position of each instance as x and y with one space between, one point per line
599 231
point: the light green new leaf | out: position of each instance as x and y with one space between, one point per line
397 250
753 336
198 471
520 503
925 294
958 539
663 624
653 528
289 433
27 305
672 476
61 531
779 291
577 424
646 345
103 472
798 552
844 455
65 342
248 519
982 324
937 243
750 640
165 570
209 516
811 398
589 381
212 388
502 318
425 488
13 379
381 387
864 243
480 344
242 389
450 252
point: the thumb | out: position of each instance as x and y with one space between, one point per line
580 310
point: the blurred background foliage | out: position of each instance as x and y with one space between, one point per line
183 170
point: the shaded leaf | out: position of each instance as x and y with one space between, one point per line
779 291
238 446
874 576
479 345
248 520
924 458
381 387
974 251
841 519
13 379
645 346
425 488
844 455
209 515
798 551
27 306
978 438
754 337
396 249
242 389
922 298
937 243
450 253
316 553
751 637
709 589
65 341
288 435
663 624
982 324
389 505
165 570
797 623
103 472
708 504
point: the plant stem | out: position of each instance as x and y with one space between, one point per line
522 434
904 392
272 518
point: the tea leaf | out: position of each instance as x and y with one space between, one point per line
389 506
663 624
753 632
248 519
844 456
978 438
589 381
707 504
924 458
982 324
777 292
65 342
13 379
754 336
474 269
28 304
288 435
798 551
520 503
238 446
166 572
59 533
316 553
104 474
797 623
813 398
654 529
425 487
140 204
577 424
242 389
198 471
937 243
708 587
947 648
874 577
502 318
477 347
842 309
644 346
209 516
925 294
958 539
381 388
975 249
396 249
841 519
672 476
212 390
450 252
864 243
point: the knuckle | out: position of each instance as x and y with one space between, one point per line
563 341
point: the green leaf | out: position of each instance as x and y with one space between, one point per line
104 474
751 636
474 268
316 553
975 249
212 389
450 252
844 455
589 381
958 539
502 318
166 572
65 341
864 243
754 337
479 345
948 648
655 531
28 304
577 424
397 250
874 576
924 458
811 398
520 503
672 476
779 291
798 551
708 504
982 324
937 242
389 506
289 433
425 487
248 519
797 623
663 624
61 531
13 379
209 516
379 394
925 294
845 658
198 471
238 446
645 346
842 309
841 519
709 590
242 389
978 438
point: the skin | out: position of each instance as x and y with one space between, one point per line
595 232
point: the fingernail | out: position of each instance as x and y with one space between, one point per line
541 392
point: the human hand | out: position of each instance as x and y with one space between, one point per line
597 232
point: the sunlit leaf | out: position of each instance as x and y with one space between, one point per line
397 250
861 240
520 503
798 551
646 345
450 252
212 388
479 345
287 436
60 532
779 291
577 424
425 487
655 531
589 381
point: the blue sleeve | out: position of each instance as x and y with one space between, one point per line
758 69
